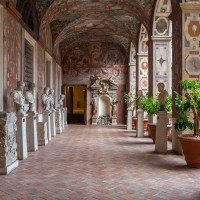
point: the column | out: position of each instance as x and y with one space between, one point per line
140 123
161 133
21 137
8 147
47 119
31 130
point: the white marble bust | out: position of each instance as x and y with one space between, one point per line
52 101
60 101
29 96
46 99
18 97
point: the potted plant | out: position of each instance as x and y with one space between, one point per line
151 106
188 109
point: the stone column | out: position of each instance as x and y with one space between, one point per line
31 130
140 123
58 121
63 119
129 119
176 145
53 124
47 119
42 133
161 133
21 137
8 145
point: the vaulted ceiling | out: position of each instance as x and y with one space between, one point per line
77 21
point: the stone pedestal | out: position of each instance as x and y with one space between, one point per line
94 120
47 119
59 129
53 124
8 145
65 117
21 137
129 119
31 131
114 120
42 133
161 132
176 145
140 123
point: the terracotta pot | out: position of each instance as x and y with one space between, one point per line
152 131
191 150
134 123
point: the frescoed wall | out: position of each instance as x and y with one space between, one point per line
191 40
91 59
12 58
143 61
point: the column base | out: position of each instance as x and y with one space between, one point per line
10 168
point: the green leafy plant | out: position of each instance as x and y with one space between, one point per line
150 105
129 100
187 104
168 103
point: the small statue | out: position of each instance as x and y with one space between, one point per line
46 99
52 101
112 81
18 97
131 101
162 95
114 107
60 101
94 107
29 96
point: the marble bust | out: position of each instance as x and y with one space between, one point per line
60 101
52 101
18 97
162 95
29 96
46 99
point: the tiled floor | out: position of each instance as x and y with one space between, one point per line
89 162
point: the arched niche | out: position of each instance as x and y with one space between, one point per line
104 105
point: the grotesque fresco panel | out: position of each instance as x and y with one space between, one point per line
192 44
93 59
12 55
40 76
143 74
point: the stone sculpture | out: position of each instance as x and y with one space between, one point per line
52 101
18 97
46 99
162 95
114 107
94 107
61 99
112 81
29 96
140 96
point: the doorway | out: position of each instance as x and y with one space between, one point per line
76 104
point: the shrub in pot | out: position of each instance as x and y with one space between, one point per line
188 109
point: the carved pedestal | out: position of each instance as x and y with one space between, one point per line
21 137
140 123
42 133
53 124
94 120
129 119
47 119
114 120
65 116
161 132
8 145
59 121
31 130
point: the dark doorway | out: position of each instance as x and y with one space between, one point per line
76 104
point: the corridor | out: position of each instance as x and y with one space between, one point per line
100 163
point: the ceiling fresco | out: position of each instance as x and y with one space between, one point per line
73 22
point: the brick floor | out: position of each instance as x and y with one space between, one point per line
100 163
